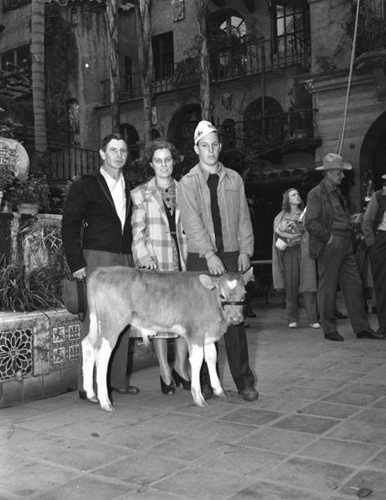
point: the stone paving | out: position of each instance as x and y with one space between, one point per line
318 430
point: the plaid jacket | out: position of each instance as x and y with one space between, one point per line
151 233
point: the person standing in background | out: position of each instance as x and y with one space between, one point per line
292 268
328 222
374 234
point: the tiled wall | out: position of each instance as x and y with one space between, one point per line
39 355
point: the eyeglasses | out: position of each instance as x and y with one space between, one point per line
158 161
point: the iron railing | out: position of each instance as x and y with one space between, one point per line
65 162
372 36
14 4
259 135
248 58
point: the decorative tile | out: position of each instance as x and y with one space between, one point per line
65 340
15 353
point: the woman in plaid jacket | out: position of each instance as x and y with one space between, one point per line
159 243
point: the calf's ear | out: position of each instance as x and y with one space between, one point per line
248 275
207 281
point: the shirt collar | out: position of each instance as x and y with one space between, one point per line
111 182
220 171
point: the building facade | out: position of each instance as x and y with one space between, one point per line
281 91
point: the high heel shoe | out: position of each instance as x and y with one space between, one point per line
167 389
180 380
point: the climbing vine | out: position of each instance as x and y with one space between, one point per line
61 63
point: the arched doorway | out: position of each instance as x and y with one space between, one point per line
181 129
373 152
131 137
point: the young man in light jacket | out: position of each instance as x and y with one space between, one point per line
216 219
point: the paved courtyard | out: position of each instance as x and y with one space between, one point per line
318 430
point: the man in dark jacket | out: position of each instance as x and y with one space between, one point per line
96 231
328 222
374 234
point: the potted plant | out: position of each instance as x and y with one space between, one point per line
30 195
7 177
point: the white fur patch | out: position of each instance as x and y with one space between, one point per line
232 284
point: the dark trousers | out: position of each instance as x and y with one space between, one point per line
235 337
337 266
377 254
117 372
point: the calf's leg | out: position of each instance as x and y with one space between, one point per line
196 357
88 356
211 359
102 363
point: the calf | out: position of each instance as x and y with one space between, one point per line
193 305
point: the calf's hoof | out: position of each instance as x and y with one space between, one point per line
220 393
108 407
200 402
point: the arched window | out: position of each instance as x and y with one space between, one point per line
227 36
263 122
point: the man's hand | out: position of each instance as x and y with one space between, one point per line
244 262
215 265
80 274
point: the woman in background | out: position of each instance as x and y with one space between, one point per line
159 243
292 267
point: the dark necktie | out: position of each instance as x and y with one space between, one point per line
212 184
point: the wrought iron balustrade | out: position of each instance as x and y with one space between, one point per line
271 130
247 58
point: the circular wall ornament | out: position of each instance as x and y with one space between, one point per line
14 155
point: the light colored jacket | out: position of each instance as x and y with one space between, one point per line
152 239
194 203
308 276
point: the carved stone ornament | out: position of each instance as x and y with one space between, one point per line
178 10
227 101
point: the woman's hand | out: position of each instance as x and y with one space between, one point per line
151 265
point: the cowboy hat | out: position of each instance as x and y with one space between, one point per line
333 161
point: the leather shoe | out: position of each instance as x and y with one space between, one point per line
207 391
130 389
370 334
382 331
340 315
249 394
334 336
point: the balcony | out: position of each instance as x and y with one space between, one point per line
248 58
279 131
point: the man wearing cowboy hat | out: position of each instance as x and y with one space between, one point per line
374 234
216 219
328 222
